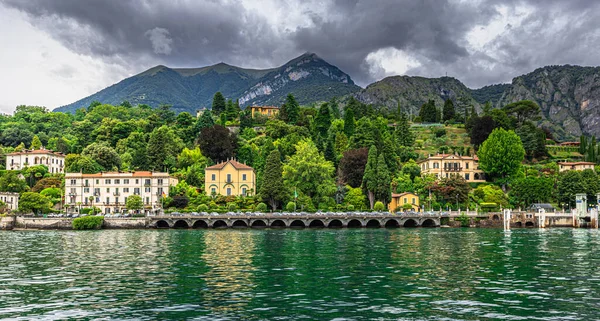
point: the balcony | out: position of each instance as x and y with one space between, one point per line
86 184
72 194
453 169
116 193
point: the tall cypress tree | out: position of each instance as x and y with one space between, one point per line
369 183
449 112
272 189
218 103
290 110
383 192
349 124
404 135
428 112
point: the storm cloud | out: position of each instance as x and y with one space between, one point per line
479 42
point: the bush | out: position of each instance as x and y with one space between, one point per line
350 207
202 208
439 132
379 206
417 120
261 207
290 207
231 207
88 223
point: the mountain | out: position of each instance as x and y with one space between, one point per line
569 96
308 77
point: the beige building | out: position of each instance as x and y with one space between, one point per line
109 191
11 200
399 200
230 178
267 111
55 161
575 166
444 165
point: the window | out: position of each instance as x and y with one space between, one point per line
436 165
413 201
244 191
117 181
229 191
136 191
228 178
26 160
147 200
86 190
160 181
137 181
160 191
467 177
97 199
126 181
96 191
126 190
147 189
108 189
107 181
73 181
97 181
147 182
214 177
125 200
405 200
107 200
116 200
213 190
467 165
243 177
72 190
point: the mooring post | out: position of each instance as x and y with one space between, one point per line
506 215
542 218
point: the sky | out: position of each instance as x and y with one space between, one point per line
54 52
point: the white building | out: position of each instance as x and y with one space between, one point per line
109 191
55 161
11 200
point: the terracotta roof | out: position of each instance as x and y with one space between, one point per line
402 194
233 162
442 156
576 163
133 174
570 143
37 151
265 107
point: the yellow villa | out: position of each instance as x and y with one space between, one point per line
267 111
444 165
230 178
399 200
575 166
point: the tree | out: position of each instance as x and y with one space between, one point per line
383 191
134 203
534 140
501 155
10 182
35 143
349 122
34 202
231 111
136 145
404 135
104 155
309 172
218 103
412 169
189 157
321 125
272 190
352 166
206 120
569 184
163 147
245 120
448 111
290 110
591 184
218 143
428 112
528 190
523 110
480 129
75 163
369 182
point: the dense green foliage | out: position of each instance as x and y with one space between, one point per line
88 223
501 155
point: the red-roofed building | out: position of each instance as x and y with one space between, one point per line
575 166
444 165
230 178
55 161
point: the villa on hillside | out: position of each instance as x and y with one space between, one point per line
399 200
230 178
575 166
55 161
109 190
445 165
267 111
11 200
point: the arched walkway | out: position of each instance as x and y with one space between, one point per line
181 224
335 224
162 224
428 223
239 224
373 223
297 224
278 224
316 223
529 224
259 224
354 224
410 223
495 218
219 224
200 224
392 223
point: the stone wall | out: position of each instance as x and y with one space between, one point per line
7 223
43 223
125 223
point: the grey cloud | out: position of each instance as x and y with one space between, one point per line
434 32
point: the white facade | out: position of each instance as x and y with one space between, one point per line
109 191
55 161
11 200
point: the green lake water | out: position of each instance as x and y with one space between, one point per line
345 274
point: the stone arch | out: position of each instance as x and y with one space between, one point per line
219 224
200 224
335 224
278 224
239 224
316 223
410 223
495 217
297 224
373 223
162 224
392 223
518 224
476 176
36 160
529 224
428 223
258 224
181 224
354 223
